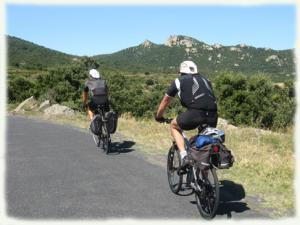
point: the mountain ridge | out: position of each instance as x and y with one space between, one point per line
165 58
211 59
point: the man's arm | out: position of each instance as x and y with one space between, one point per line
162 106
85 94
84 97
171 92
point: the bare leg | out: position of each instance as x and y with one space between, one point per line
90 114
176 134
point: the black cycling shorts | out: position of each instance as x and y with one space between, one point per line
103 102
192 118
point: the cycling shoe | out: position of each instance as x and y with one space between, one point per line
185 164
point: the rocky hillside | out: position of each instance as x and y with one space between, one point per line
150 57
211 59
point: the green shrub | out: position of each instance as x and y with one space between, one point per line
21 88
254 101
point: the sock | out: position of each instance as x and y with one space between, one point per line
183 153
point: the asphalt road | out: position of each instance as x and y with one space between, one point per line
57 172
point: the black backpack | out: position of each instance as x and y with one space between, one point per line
196 92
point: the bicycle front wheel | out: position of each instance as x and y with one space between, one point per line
208 197
173 165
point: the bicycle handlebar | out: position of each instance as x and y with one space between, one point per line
168 120
164 120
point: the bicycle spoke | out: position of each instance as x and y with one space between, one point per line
209 204
175 180
208 198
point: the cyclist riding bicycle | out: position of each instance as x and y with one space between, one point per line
95 93
196 94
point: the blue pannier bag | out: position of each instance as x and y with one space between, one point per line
203 140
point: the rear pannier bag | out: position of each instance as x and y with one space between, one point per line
226 159
204 157
201 156
112 121
96 125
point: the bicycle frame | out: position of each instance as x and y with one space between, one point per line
192 171
104 131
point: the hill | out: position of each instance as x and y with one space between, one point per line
211 59
28 55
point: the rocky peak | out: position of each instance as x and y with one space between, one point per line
147 44
243 45
217 46
179 40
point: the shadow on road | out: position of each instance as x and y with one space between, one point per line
122 147
231 195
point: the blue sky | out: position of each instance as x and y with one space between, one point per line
98 29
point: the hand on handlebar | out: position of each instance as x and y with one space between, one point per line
162 119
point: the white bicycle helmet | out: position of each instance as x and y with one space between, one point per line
188 67
94 73
214 132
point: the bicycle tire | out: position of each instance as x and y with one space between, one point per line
172 171
95 137
208 198
106 141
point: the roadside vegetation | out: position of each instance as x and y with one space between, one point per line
253 101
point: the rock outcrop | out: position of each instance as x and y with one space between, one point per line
275 59
27 105
243 45
217 46
235 49
223 124
175 40
57 109
44 105
147 44
207 47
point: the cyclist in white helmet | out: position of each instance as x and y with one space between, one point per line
95 93
195 93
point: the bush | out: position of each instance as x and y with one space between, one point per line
20 88
149 82
254 101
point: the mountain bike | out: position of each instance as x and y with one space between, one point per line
203 182
103 140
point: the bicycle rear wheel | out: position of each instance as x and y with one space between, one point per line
173 164
209 197
106 140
